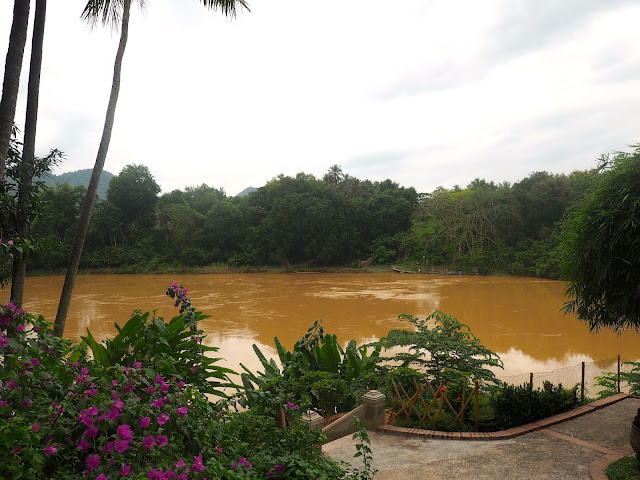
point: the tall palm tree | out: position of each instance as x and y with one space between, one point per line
109 12
11 81
334 175
28 150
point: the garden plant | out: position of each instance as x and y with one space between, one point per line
137 408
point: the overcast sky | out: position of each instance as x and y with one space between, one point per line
425 93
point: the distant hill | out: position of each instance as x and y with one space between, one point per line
246 191
81 177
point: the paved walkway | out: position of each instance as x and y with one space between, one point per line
579 448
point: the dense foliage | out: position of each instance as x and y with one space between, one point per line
12 213
629 380
444 349
601 252
514 405
136 412
318 374
304 221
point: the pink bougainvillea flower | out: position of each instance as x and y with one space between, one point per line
86 419
181 384
109 446
114 413
4 403
4 341
158 403
197 464
122 446
92 410
154 475
245 462
124 432
102 476
159 378
144 422
50 450
148 442
35 427
91 432
180 464
161 440
20 328
182 411
125 470
35 362
16 451
93 461
83 445
162 419
137 364
150 389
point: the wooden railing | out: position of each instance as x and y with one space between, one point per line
435 402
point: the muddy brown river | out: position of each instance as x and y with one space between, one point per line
518 318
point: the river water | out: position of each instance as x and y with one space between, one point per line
518 318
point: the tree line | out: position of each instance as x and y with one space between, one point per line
304 221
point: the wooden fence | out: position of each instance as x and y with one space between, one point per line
436 403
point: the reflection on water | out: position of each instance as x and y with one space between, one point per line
519 318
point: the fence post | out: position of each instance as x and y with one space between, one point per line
618 373
476 402
582 385
531 381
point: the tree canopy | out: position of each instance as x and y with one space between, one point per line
601 247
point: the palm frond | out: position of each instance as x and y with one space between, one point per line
227 7
107 12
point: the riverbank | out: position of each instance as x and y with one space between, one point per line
213 269
163 269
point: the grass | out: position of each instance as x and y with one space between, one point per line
626 468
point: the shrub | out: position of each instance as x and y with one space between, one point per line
517 405
66 416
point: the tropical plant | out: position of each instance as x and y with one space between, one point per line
176 348
363 451
446 352
109 12
64 415
609 380
601 247
13 212
317 373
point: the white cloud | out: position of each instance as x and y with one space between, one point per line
425 94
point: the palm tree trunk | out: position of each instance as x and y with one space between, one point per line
92 189
11 82
28 151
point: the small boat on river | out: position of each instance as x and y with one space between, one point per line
396 269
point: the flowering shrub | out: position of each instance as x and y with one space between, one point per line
119 415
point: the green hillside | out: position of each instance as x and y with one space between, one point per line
80 177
